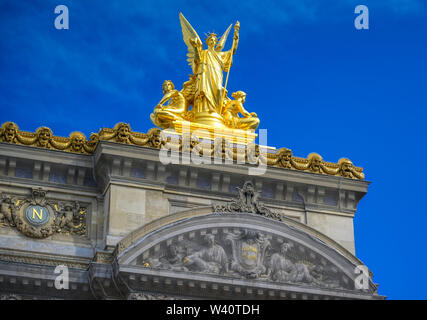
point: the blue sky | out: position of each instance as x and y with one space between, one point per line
317 84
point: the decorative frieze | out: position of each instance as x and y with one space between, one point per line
245 254
220 148
44 138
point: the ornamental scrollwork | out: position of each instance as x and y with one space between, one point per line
37 217
247 202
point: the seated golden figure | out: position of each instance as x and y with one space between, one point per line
249 121
164 115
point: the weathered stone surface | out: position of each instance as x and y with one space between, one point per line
128 195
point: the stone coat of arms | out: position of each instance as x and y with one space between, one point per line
248 253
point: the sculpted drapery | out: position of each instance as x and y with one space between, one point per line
208 66
209 90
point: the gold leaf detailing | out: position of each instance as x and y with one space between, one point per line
221 148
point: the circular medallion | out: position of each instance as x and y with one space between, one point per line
37 215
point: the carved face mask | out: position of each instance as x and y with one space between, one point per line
346 169
315 164
123 134
156 140
44 137
77 142
10 133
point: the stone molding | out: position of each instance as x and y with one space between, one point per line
122 133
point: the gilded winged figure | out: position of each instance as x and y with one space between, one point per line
205 90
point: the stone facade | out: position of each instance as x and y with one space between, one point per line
129 227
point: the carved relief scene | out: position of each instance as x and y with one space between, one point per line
245 254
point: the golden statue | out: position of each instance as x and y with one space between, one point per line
250 121
177 105
204 91
164 115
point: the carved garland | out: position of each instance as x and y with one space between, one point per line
121 133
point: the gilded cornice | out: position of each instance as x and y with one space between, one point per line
122 133
44 138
